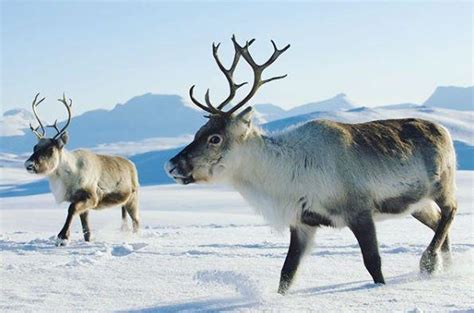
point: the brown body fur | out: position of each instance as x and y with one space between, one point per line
87 180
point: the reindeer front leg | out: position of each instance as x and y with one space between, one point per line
300 240
85 226
65 231
81 202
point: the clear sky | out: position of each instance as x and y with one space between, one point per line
103 53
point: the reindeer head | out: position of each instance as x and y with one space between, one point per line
207 157
47 152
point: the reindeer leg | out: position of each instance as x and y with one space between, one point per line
363 228
124 219
66 230
85 225
82 200
133 210
430 259
301 238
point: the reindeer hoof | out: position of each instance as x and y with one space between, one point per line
60 242
447 259
125 227
429 263
283 288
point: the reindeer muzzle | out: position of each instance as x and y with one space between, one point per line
30 166
178 173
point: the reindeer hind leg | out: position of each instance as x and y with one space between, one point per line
124 219
430 216
133 211
446 202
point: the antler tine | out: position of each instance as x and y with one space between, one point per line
34 104
55 126
229 73
209 109
208 102
69 113
35 131
275 55
257 70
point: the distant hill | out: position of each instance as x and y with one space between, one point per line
454 98
268 112
337 103
151 116
14 122
407 105
141 117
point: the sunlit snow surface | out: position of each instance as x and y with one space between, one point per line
203 249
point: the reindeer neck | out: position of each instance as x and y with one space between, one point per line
67 164
262 161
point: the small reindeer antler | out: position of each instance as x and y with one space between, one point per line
35 104
69 113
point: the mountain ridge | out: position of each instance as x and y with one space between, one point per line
166 115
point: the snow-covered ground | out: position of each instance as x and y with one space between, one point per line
202 249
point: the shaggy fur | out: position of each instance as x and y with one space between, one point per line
325 173
86 180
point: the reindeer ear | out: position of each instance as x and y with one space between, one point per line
246 115
63 139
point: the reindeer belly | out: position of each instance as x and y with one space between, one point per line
108 196
404 209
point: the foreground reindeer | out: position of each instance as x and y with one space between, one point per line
85 179
325 173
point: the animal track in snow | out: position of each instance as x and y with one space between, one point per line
240 282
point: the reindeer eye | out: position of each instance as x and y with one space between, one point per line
214 139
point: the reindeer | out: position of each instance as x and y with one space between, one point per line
85 179
325 173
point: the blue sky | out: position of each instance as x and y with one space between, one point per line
103 53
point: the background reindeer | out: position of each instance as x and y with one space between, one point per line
85 179
325 173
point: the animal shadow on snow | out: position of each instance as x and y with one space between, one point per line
357 285
205 305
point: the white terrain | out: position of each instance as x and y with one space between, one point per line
203 249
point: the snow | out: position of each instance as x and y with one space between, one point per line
14 122
452 97
129 148
201 248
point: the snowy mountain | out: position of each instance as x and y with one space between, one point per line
142 117
397 106
14 122
268 112
337 103
150 116
455 98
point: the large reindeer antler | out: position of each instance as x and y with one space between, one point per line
68 108
257 74
34 104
